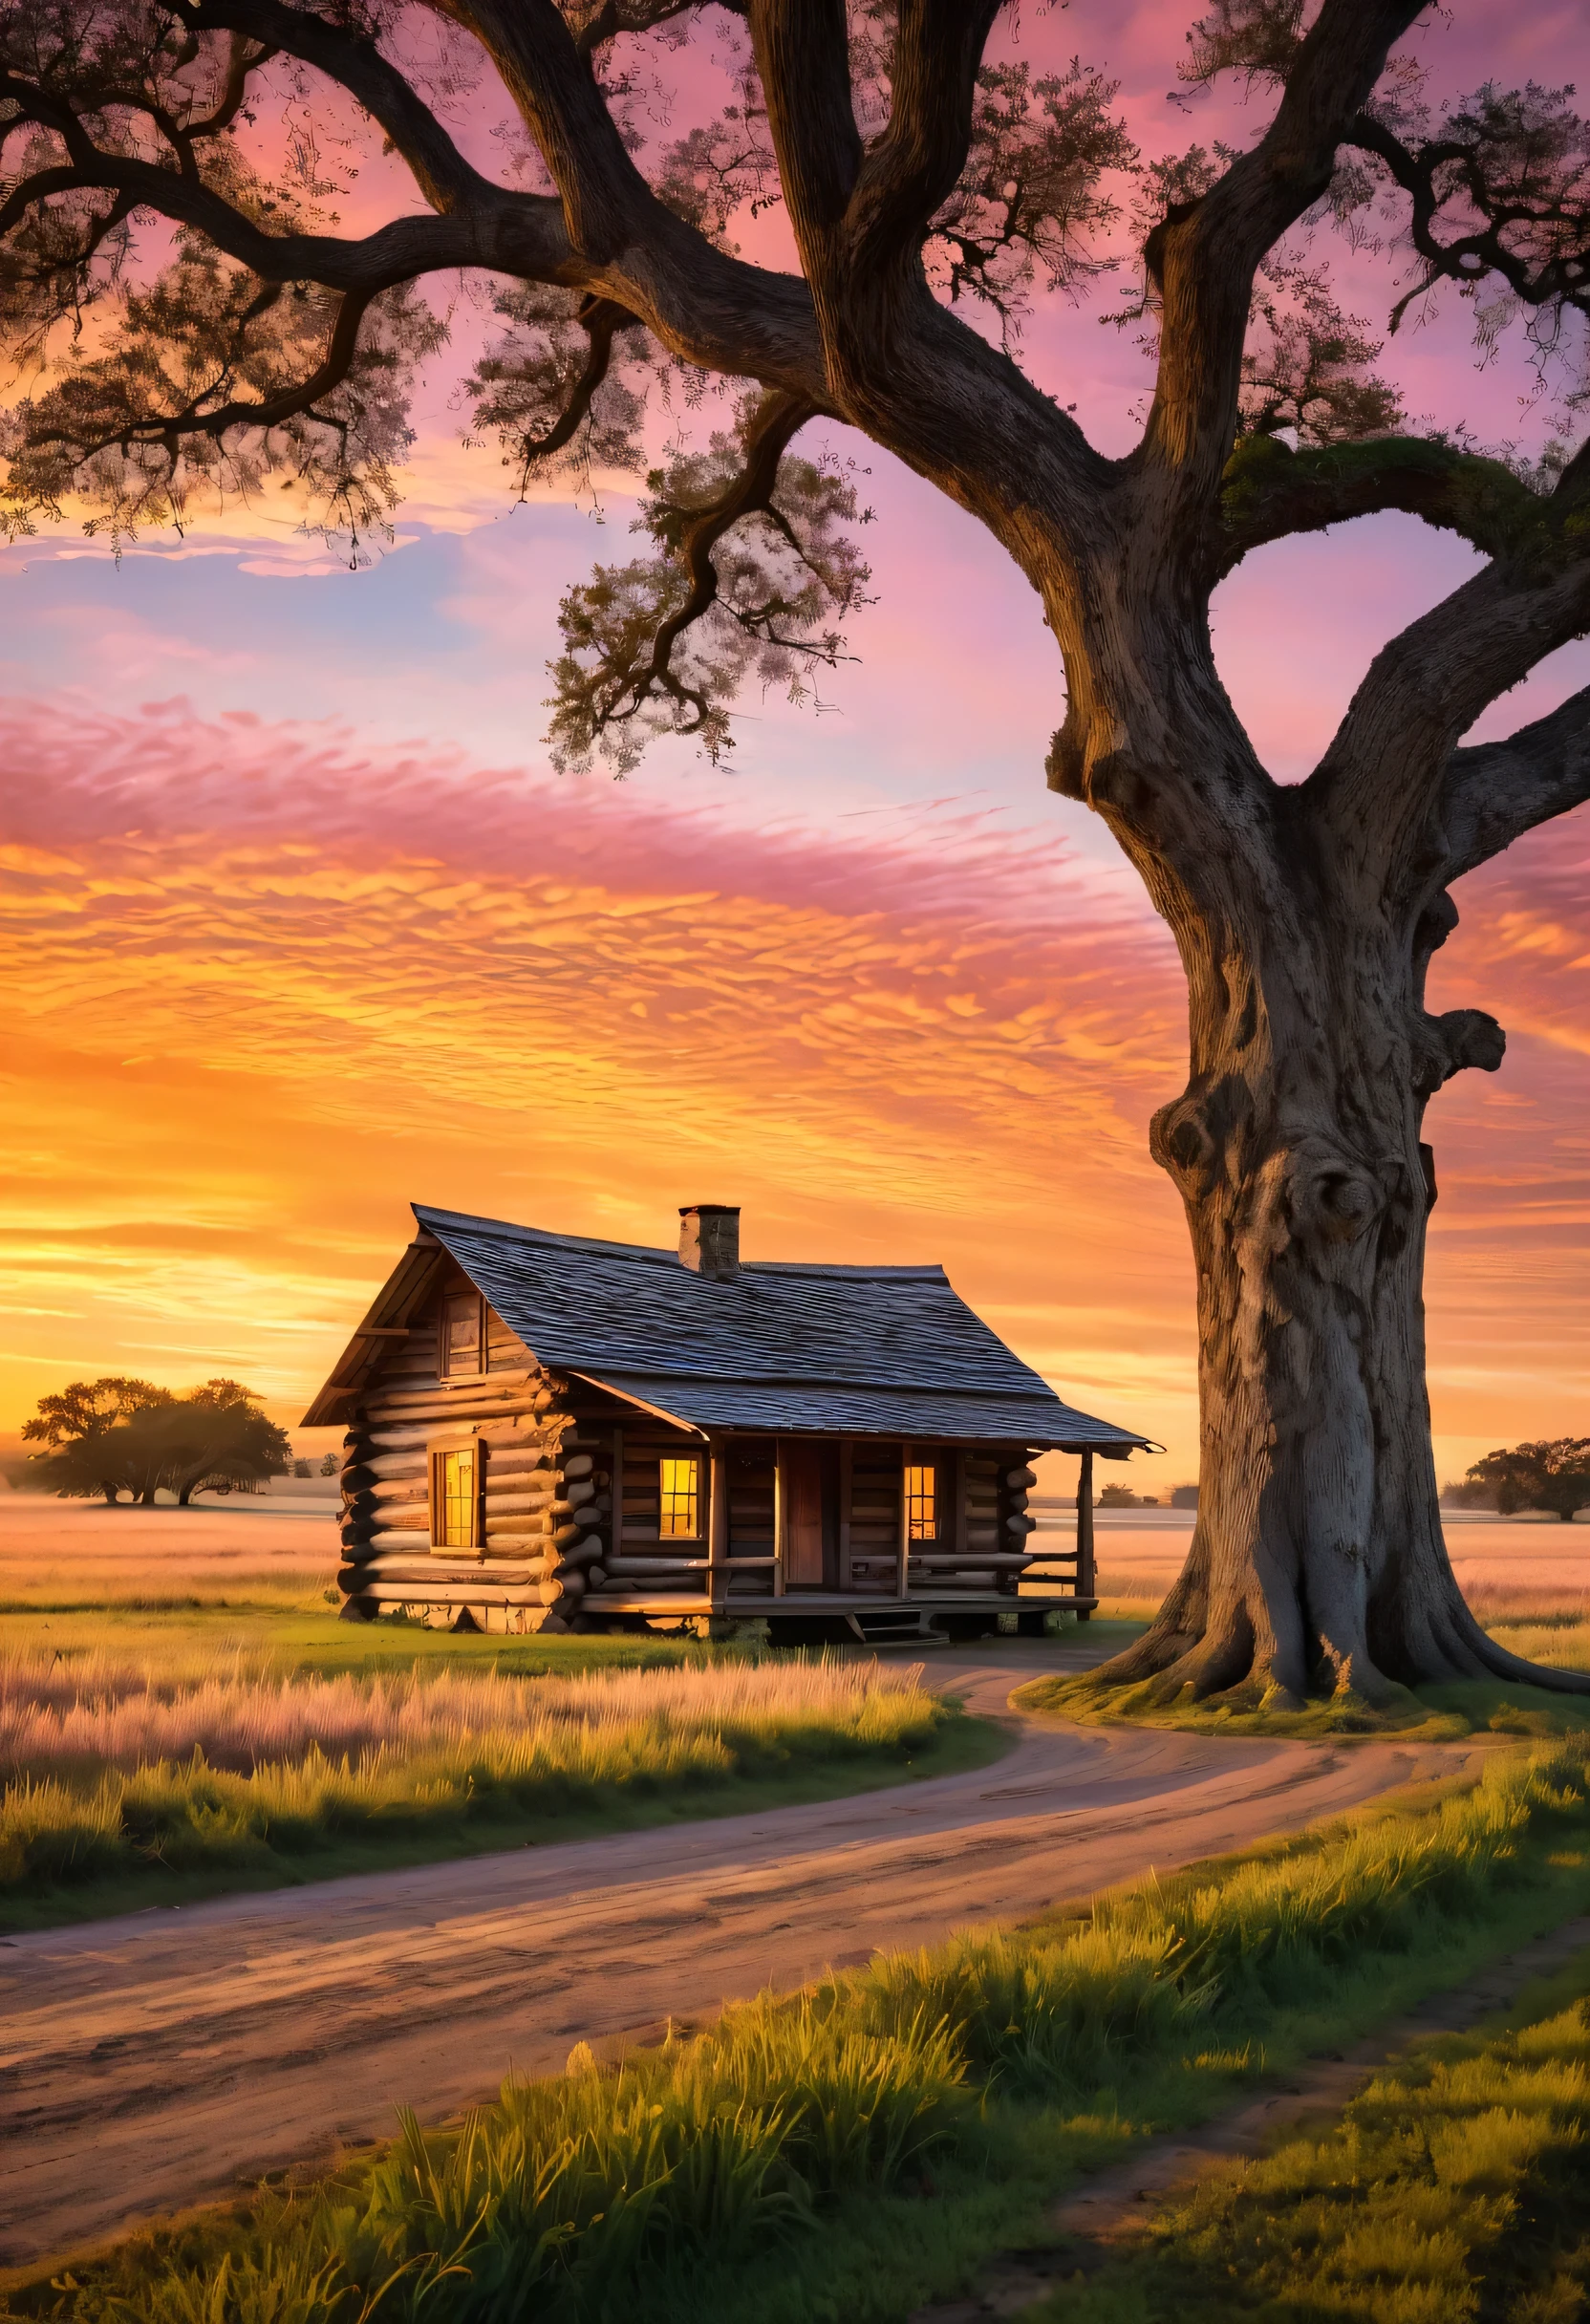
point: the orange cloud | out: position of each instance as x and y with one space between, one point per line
267 986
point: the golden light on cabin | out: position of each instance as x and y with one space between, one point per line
462 1338
921 1502
679 1500
455 1499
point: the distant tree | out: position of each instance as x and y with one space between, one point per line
228 1442
1183 1496
1460 1493
330 1465
114 1436
1117 1496
1552 1475
78 1426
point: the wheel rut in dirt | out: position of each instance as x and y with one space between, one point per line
159 2060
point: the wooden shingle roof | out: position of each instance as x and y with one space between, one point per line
885 1352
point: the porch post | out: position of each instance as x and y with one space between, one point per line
1087 1569
779 1518
905 1524
717 1530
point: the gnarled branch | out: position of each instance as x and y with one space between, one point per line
1377 790
1270 491
1492 792
445 177
915 165
1206 258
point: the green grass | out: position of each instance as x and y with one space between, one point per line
184 1847
303 1634
1428 1714
1456 2185
131 1787
851 2151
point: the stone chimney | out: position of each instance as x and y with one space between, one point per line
709 1238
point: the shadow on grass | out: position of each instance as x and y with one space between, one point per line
1427 1715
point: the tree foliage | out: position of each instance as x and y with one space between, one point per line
1552 1475
190 320
111 1436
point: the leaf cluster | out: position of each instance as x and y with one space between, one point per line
730 594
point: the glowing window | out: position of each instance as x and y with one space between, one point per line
679 1508
455 1499
921 1504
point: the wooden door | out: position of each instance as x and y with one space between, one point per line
810 1482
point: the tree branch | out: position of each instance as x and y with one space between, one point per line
1559 274
1492 792
199 418
601 320
1270 492
1375 794
443 176
917 164
1205 255
774 430
399 251
607 203
802 54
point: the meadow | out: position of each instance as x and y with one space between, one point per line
850 2150
1453 2188
124 1778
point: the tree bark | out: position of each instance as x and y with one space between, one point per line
1318 1564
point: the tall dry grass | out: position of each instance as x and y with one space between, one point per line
105 1713
109 1766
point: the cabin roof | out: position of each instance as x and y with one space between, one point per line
794 1346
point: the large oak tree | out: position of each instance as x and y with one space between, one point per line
194 319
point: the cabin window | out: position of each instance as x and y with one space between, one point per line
679 1501
463 1335
921 1502
456 1497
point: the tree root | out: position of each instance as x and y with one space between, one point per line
1228 1669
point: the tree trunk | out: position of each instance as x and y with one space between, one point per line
1318 1562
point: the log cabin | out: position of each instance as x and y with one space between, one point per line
550 1432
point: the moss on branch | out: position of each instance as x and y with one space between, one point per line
1269 492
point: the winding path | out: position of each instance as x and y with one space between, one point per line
155 2061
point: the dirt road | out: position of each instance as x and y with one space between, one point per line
154 2062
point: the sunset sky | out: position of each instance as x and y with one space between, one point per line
298 925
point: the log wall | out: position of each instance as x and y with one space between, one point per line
569 1501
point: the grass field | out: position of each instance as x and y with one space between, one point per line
127 1781
1453 2187
1540 1622
182 1714
852 2150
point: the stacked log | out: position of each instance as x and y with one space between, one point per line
543 1501
995 1530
